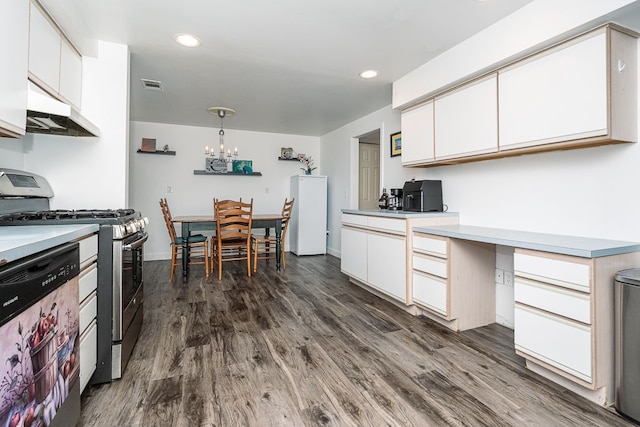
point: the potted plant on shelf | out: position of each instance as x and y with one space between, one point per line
308 163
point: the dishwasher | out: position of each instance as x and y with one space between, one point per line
39 339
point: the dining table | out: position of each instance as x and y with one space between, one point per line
191 223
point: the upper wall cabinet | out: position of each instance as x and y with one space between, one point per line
54 64
579 93
583 91
14 36
466 120
417 135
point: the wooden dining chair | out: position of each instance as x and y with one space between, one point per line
233 232
197 243
264 247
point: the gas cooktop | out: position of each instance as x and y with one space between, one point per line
62 214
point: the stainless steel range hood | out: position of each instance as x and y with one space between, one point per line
46 114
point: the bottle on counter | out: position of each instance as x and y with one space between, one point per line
383 202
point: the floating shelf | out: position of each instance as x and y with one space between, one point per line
165 153
203 172
288 160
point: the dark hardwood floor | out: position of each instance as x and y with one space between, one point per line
307 348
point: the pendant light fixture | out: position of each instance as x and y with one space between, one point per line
221 112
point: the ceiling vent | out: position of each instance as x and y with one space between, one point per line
152 85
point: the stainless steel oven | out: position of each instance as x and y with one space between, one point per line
128 296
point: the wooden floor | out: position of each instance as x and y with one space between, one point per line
307 348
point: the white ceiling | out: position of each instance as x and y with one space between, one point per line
286 66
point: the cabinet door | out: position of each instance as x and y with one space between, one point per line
353 253
554 340
44 50
88 354
556 96
466 120
14 39
70 74
417 134
387 264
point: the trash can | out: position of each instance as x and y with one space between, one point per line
627 342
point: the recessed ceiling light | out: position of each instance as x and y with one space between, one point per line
369 74
187 40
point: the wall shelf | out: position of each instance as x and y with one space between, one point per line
288 160
204 172
166 153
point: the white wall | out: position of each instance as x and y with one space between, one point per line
87 172
11 153
152 175
340 164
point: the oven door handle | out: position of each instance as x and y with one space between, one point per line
138 243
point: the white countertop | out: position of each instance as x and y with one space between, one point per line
18 241
569 245
398 214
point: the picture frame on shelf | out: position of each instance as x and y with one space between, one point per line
396 144
243 167
148 145
286 153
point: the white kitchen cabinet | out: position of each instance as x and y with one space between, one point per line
14 44
466 120
88 307
387 263
453 280
564 316
54 64
581 90
375 252
417 134
553 321
354 253
552 339
70 74
44 50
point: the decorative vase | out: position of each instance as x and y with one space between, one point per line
307 171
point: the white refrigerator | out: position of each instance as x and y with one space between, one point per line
308 224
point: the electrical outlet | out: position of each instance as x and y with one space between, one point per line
169 189
499 276
266 190
508 278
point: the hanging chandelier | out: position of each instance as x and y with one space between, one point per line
221 112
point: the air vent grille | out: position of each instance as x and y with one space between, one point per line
152 85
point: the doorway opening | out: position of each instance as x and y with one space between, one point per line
369 170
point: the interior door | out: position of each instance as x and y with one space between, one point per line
369 182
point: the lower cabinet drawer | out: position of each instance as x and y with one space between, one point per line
559 272
430 292
88 281
88 311
561 301
88 354
435 266
431 245
559 342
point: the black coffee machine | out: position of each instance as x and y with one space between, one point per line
395 199
422 196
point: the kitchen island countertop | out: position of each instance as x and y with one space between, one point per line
398 214
23 240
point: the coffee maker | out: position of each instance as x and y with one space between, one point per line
395 199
